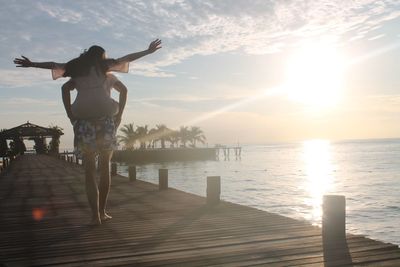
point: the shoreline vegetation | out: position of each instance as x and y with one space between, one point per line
144 138
159 144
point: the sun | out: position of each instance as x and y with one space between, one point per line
314 76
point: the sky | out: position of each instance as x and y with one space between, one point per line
244 71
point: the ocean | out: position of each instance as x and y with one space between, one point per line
291 179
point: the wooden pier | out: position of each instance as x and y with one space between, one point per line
44 215
224 152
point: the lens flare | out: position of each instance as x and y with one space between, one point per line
38 214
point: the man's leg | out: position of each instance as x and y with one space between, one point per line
105 182
91 186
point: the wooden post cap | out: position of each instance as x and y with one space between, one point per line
213 189
334 218
163 179
132 173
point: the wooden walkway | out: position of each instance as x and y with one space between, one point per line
44 215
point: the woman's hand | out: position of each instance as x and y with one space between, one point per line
154 46
23 62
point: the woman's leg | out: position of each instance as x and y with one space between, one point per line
105 181
91 186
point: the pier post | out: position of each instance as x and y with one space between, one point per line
3 165
113 168
162 179
334 219
213 189
132 173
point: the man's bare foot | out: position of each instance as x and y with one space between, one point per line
105 217
95 222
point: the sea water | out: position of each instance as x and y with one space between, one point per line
291 179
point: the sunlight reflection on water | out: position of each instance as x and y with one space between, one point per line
319 173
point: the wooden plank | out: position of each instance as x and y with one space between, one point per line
151 227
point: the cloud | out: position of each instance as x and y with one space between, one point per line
24 101
191 28
25 78
21 78
149 70
262 27
60 13
384 103
376 37
208 105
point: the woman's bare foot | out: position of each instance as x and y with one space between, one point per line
95 222
105 217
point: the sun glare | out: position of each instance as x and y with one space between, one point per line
314 76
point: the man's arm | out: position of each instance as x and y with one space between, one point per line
123 92
66 97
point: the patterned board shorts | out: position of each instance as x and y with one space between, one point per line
94 135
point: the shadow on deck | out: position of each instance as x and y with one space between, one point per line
44 216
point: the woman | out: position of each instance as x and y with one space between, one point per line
94 114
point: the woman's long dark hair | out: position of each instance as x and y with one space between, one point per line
80 66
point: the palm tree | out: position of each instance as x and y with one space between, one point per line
184 135
3 145
129 136
196 134
55 140
163 133
152 137
141 133
173 138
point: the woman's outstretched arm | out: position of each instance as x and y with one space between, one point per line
153 47
24 62
66 97
123 92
